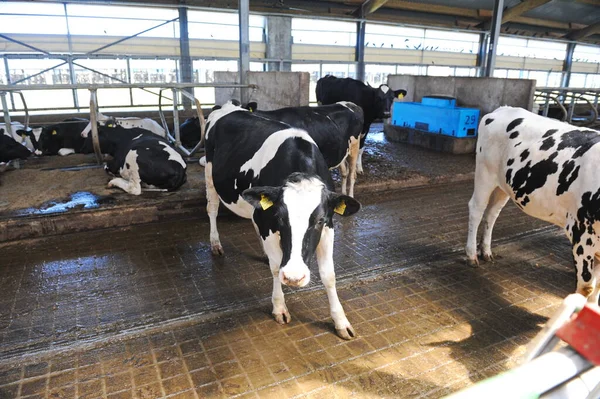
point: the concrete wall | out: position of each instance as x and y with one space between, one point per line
487 94
275 89
279 43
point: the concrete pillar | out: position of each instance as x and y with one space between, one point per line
244 64
494 35
279 43
185 61
359 53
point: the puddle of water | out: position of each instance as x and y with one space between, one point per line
78 200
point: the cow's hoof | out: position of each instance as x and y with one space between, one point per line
217 249
346 332
488 257
473 262
283 317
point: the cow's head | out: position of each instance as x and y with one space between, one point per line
297 211
384 98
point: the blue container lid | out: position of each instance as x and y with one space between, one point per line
439 101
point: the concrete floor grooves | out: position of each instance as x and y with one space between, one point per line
147 311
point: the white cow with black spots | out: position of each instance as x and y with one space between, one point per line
275 175
550 170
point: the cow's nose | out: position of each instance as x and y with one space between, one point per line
294 280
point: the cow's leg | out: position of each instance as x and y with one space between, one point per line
584 252
131 186
344 173
212 208
343 327
359 168
352 160
484 186
497 201
273 251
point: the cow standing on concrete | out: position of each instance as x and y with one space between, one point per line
139 157
335 128
375 103
275 175
550 170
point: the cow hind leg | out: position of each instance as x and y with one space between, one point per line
584 252
344 173
497 201
352 160
212 208
484 187
343 327
131 186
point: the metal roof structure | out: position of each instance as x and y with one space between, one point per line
573 20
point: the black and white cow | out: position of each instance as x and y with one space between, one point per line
126 122
11 149
375 102
189 132
63 138
335 128
139 157
275 175
550 170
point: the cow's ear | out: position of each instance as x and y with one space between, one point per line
216 107
235 102
252 106
343 205
262 197
399 93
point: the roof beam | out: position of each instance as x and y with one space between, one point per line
432 8
368 7
585 32
521 8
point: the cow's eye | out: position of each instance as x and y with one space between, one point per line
321 221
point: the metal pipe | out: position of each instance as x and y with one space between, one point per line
39 73
8 80
7 121
124 86
176 118
94 125
244 63
130 37
10 39
567 65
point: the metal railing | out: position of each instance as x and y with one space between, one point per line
93 88
576 106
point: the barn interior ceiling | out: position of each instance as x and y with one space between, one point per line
577 20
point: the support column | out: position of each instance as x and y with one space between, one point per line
494 35
360 50
185 61
279 43
244 64
72 76
481 54
567 65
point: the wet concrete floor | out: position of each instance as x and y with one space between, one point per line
147 311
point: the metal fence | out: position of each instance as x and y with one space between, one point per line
576 106
177 90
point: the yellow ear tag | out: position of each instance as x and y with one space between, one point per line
265 203
54 133
341 208
23 135
401 95
250 110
